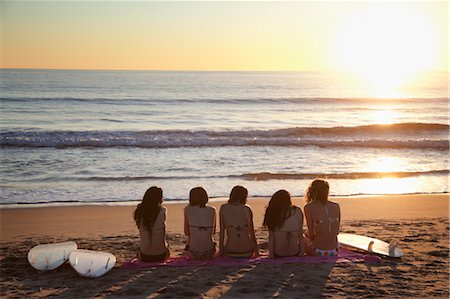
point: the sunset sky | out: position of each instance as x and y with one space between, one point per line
365 37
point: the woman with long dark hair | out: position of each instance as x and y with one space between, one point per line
237 233
323 218
150 218
285 224
199 225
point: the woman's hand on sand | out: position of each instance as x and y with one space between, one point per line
256 254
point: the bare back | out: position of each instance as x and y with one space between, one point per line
154 242
287 240
200 226
236 229
323 224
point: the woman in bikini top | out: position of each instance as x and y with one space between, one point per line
323 219
199 225
237 234
150 218
285 224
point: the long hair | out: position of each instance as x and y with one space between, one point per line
198 197
147 211
238 195
278 209
318 191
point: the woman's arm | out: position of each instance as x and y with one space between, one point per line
301 250
271 245
339 213
214 221
222 231
164 225
186 228
186 222
252 231
310 223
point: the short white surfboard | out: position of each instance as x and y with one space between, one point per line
50 256
90 263
370 244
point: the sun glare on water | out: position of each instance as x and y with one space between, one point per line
388 181
386 47
386 164
384 116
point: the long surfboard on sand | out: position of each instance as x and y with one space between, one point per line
90 263
50 256
370 244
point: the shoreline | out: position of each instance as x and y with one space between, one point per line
94 220
68 204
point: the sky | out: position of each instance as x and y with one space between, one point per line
361 36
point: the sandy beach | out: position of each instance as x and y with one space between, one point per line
419 222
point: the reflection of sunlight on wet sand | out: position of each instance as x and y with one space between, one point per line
386 164
388 186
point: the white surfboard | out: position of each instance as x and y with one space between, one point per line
370 245
90 263
50 256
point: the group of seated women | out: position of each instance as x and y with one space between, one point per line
237 239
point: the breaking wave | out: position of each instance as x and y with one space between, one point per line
402 135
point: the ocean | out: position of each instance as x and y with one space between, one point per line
70 136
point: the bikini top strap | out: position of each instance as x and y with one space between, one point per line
201 227
237 227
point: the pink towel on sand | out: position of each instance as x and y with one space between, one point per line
344 256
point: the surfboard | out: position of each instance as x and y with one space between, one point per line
47 257
370 244
90 263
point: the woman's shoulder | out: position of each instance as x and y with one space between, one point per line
296 209
247 207
309 206
227 206
210 208
333 204
224 205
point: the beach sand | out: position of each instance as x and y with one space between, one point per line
419 222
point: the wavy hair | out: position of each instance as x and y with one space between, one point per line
147 211
318 191
278 209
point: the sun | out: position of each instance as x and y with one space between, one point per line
387 47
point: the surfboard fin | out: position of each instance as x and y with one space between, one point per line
369 247
107 262
392 246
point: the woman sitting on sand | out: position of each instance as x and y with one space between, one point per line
285 223
323 218
237 234
199 225
150 219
